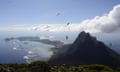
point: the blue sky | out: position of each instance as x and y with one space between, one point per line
14 12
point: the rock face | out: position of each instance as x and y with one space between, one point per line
87 50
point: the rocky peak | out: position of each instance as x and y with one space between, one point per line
86 49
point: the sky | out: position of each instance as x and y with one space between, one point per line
20 12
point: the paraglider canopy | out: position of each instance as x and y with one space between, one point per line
68 23
57 14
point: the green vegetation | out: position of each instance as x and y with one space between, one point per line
39 66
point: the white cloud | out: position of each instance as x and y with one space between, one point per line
107 23
57 27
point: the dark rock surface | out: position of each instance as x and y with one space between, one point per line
86 50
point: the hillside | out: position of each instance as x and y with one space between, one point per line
39 66
86 50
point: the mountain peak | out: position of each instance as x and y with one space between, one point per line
83 39
83 36
86 49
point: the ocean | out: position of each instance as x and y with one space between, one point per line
26 51
15 51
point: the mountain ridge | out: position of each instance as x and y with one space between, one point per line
87 50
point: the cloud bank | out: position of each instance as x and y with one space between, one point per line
107 23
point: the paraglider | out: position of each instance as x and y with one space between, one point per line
66 37
57 14
68 23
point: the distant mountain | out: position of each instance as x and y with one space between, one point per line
86 50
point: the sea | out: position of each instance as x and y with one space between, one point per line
16 51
